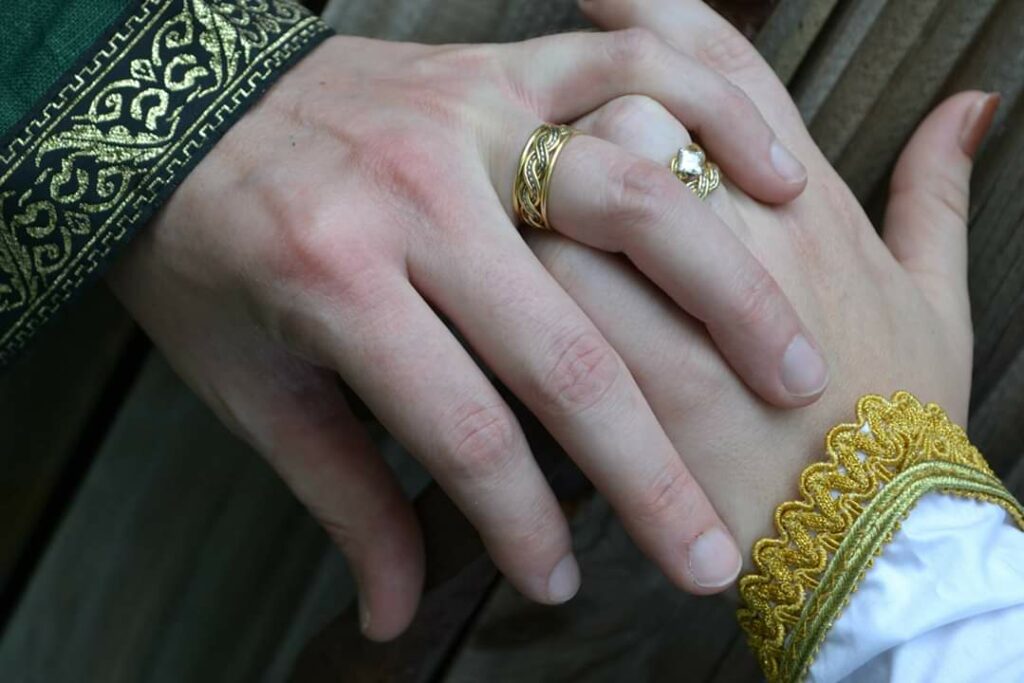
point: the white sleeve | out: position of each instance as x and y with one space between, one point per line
944 603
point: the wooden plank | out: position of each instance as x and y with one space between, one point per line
826 62
995 63
997 427
332 586
182 558
627 623
49 399
916 85
790 32
868 72
459 576
997 256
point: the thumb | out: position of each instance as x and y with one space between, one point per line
926 220
297 417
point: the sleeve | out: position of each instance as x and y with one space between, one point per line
901 560
937 604
106 106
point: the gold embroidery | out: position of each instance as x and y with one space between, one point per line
95 162
850 507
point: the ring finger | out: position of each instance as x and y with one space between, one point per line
606 197
644 127
544 348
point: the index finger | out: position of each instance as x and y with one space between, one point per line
605 197
567 76
696 30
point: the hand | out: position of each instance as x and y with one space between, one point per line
369 189
892 312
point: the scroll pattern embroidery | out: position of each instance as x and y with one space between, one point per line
98 159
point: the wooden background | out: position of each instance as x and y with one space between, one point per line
141 542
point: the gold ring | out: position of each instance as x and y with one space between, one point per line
691 166
533 179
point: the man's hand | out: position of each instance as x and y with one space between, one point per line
367 196
892 311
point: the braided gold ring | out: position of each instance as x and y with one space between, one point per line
691 166
533 179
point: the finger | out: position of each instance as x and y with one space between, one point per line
564 77
298 419
644 127
606 198
695 29
423 386
926 219
547 352
676 366
639 125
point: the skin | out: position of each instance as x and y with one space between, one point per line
310 242
892 310
365 202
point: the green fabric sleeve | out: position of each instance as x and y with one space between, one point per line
101 146
41 40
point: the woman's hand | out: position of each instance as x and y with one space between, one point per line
367 196
891 311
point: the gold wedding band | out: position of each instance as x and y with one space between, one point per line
691 165
533 179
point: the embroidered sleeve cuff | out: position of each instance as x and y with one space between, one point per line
849 508
120 131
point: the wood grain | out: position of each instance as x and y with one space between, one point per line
627 622
789 33
182 558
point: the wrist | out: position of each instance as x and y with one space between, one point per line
849 506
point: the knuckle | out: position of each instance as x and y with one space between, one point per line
399 161
481 442
950 195
310 246
356 534
438 106
639 193
732 99
757 300
535 535
634 47
661 500
566 260
338 530
403 168
467 63
728 51
629 114
583 371
451 79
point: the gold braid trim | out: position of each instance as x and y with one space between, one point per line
849 509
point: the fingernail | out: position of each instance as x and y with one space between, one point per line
564 580
977 122
804 372
364 616
715 560
786 165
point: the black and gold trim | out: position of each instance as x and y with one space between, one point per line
120 132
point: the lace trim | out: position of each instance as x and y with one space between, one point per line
849 508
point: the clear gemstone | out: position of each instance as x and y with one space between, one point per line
690 160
